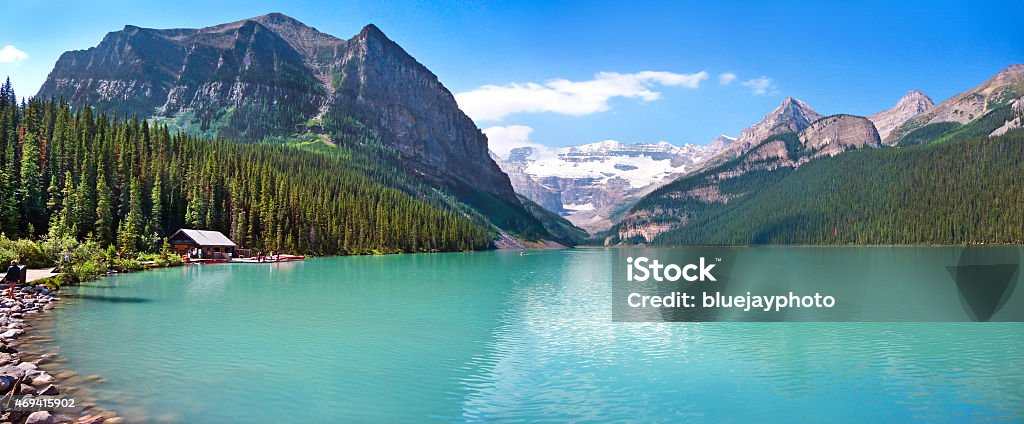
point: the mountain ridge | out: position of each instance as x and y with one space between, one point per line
966 106
273 78
718 203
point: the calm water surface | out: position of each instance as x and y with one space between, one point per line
499 336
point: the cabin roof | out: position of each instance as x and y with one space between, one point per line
206 237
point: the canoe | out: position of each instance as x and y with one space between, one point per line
281 258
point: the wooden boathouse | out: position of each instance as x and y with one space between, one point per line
203 244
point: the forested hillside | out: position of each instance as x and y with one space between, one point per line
965 191
121 181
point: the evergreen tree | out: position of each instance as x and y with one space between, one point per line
104 210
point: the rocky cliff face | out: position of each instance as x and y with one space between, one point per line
1016 120
223 76
835 134
910 105
526 186
272 75
383 87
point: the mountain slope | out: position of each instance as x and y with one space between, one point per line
871 196
1000 90
673 206
272 78
910 105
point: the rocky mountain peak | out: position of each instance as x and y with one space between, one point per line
792 115
371 30
915 100
910 105
721 143
1011 72
272 75
794 110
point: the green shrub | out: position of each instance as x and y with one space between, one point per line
127 264
51 283
82 272
29 254
168 260
25 251
7 255
86 263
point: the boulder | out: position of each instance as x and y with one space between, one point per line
7 382
50 390
42 379
39 417
12 371
90 419
28 366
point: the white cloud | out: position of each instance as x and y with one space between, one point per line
726 78
11 54
501 140
760 85
576 98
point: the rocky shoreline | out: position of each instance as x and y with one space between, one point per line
28 371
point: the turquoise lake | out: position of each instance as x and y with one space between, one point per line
495 336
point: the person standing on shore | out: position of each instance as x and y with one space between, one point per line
12 276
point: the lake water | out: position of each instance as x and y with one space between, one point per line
499 336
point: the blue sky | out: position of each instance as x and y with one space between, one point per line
563 73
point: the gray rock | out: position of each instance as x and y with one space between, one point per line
39 417
50 390
28 366
90 419
42 379
12 370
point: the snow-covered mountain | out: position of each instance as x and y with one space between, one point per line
590 183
